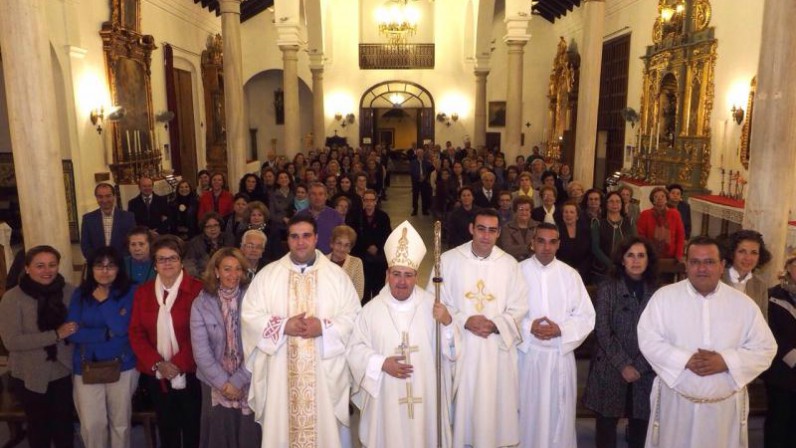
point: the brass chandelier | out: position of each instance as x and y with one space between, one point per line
397 20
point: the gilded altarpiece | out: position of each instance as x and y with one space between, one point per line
677 97
128 58
562 113
213 87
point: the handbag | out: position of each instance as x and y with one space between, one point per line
101 372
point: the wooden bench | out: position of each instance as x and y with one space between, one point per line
11 413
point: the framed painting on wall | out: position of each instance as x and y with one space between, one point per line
497 114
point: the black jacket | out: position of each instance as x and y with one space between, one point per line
155 216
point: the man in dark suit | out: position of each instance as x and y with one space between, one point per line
419 171
106 226
150 210
486 196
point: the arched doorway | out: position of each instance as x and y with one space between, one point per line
396 113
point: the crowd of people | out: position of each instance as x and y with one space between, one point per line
255 319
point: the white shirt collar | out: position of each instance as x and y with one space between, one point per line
697 294
735 277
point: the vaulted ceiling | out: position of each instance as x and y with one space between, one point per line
248 8
551 10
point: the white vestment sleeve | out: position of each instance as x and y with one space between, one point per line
363 360
754 355
508 323
667 360
451 341
580 315
337 329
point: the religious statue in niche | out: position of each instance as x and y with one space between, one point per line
669 115
279 106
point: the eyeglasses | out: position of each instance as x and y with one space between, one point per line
105 267
167 260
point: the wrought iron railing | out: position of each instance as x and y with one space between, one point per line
396 57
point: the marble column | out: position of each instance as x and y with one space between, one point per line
589 91
480 117
33 122
318 115
512 137
235 117
772 185
290 86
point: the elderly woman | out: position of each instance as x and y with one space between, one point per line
217 199
662 225
161 341
592 206
746 252
218 351
517 234
632 210
182 211
780 378
343 240
102 307
620 379
201 247
34 328
575 242
231 222
575 192
138 266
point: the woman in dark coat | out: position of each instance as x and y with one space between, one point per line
780 378
620 379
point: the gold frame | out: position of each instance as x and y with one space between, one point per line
746 130
563 100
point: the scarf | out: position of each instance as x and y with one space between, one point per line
51 310
167 344
301 204
232 358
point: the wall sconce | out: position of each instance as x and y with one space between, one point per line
737 114
165 117
349 119
442 117
338 116
98 116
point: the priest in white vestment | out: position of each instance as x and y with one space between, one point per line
485 292
706 341
296 319
560 317
392 354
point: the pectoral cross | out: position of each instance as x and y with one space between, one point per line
409 400
479 296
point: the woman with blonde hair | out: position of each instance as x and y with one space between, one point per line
227 420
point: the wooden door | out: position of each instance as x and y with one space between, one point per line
184 156
613 99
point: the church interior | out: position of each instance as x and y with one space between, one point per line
642 92
662 90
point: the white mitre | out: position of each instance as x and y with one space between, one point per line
405 247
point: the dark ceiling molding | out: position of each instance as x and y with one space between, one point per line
551 10
248 8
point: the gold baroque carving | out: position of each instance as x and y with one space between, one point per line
563 98
746 131
128 60
677 101
701 15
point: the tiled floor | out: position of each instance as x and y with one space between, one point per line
398 206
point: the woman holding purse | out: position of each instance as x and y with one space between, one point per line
102 307
161 341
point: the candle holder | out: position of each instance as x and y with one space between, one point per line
722 193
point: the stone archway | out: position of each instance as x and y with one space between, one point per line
397 113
